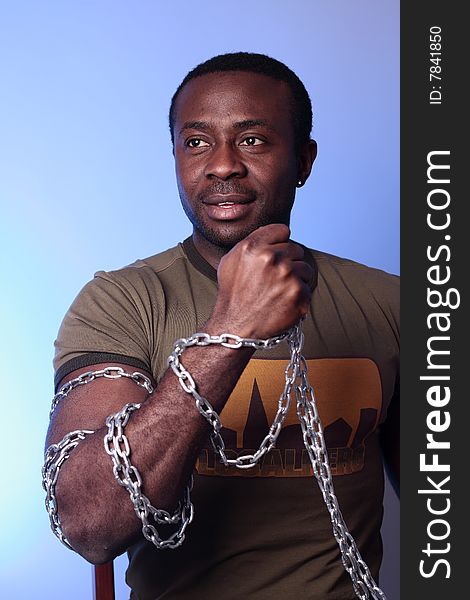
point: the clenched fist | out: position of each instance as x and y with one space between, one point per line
265 285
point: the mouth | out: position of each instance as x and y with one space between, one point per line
228 207
227 199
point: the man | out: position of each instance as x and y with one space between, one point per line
240 127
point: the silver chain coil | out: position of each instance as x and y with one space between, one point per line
187 383
56 455
314 441
117 446
89 376
312 431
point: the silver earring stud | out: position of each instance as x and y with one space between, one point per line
299 183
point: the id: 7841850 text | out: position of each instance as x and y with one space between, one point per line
435 69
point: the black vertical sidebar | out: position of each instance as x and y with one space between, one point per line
435 423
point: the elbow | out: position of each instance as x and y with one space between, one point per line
90 543
94 553
87 530
96 558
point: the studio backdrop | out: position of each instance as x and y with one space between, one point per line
87 183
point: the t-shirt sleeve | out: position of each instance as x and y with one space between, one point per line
111 320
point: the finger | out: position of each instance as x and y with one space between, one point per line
304 272
289 250
306 297
270 234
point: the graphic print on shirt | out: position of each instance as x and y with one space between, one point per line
348 392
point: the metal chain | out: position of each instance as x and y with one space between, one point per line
312 431
186 381
109 373
56 455
117 446
314 440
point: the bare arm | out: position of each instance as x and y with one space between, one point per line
263 290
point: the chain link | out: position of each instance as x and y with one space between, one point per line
296 377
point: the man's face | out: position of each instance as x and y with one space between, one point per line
235 157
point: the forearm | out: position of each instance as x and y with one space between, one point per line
264 289
165 437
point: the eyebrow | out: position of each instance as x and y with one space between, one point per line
251 123
239 125
195 125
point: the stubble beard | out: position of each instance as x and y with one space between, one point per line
225 235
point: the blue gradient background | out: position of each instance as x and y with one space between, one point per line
87 183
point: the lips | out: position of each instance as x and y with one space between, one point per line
227 207
227 199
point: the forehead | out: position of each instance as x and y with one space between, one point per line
232 96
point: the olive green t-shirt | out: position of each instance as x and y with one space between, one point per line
265 532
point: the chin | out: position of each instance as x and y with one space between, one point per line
227 237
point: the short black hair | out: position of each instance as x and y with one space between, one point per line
301 107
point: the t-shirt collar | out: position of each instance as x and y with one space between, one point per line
201 264
198 261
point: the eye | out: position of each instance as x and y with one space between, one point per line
251 141
196 143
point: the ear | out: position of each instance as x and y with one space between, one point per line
307 155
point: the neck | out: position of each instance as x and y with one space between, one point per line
209 251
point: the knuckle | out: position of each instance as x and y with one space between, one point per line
266 257
285 269
295 291
248 245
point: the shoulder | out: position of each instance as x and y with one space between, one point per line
168 259
118 313
148 268
135 289
329 265
346 280
145 277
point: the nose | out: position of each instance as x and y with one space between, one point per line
225 162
